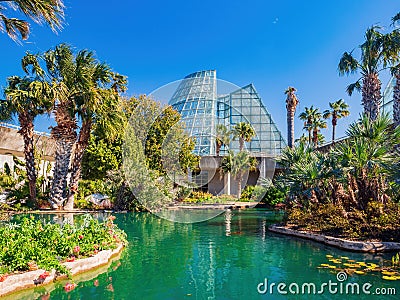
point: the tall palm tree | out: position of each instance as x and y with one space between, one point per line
395 70
50 12
308 116
291 104
238 164
245 132
80 86
396 96
338 110
27 98
376 52
100 103
222 137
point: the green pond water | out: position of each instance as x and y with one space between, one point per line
226 257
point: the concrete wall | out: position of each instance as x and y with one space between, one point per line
11 143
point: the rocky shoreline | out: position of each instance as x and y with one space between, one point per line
356 246
31 279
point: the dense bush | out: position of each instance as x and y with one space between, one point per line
205 197
89 187
376 222
350 190
270 195
274 195
34 244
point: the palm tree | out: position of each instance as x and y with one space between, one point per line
100 103
291 104
376 52
245 132
222 137
395 70
27 98
50 12
80 86
308 116
368 159
238 165
316 125
338 110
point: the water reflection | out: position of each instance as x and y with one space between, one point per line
223 258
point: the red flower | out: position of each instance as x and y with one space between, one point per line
71 259
3 277
44 275
81 237
76 249
69 286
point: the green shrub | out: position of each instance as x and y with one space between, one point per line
247 193
89 187
274 195
46 245
199 197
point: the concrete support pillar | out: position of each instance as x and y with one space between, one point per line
227 183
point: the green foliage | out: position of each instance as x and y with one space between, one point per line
247 193
6 181
100 157
355 183
376 222
245 132
46 245
270 195
40 11
274 195
89 187
207 198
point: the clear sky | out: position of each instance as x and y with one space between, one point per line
272 44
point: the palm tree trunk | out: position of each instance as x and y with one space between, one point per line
290 127
396 101
334 123
239 179
309 137
241 143
371 95
315 138
26 123
65 137
217 149
80 147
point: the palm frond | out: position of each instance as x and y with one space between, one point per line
347 64
395 18
353 86
14 27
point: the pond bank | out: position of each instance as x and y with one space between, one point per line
27 280
223 206
356 246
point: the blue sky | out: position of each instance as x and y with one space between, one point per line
272 44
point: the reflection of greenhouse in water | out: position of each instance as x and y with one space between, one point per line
202 109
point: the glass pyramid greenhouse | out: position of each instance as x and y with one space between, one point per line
202 109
